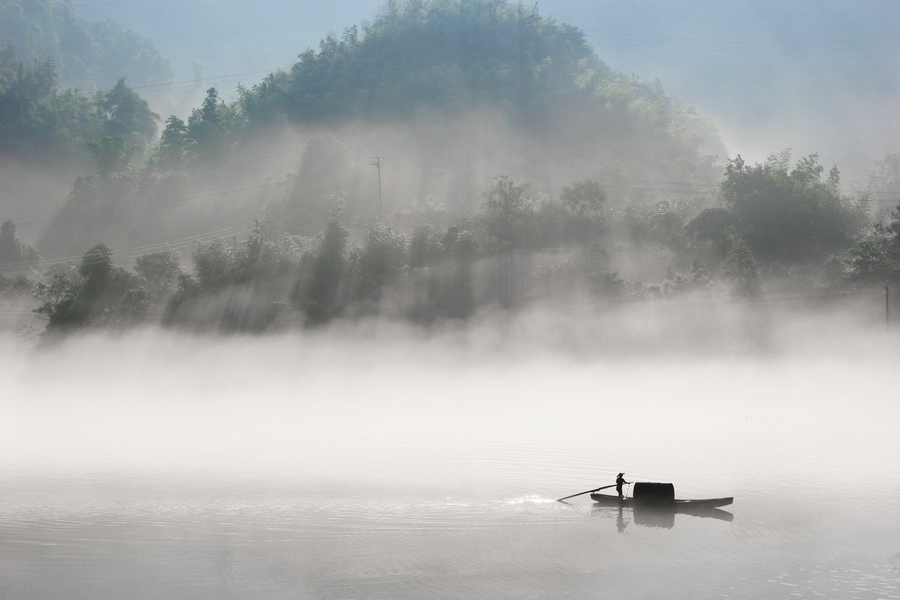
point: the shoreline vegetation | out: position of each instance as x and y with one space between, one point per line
514 169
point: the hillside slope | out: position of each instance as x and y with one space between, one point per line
449 93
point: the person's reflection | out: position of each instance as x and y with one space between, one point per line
620 521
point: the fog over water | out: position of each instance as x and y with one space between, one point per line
377 461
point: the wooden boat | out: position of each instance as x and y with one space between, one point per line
686 505
659 496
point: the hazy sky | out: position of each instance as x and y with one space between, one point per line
817 76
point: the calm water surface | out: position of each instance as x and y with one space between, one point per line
178 469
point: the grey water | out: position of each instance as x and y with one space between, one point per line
294 467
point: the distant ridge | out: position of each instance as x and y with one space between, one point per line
88 56
438 57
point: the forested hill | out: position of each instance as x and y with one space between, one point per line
444 54
451 92
88 56
554 109
429 57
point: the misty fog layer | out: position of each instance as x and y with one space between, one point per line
157 400
371 463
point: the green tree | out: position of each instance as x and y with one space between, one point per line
97 294
425 246
206 130
877 259
214 265
38 122
660 222
266 255
742 267
112 155
209 113
583 199
127 115
159 272
62 302
715 225
507 212
97 269
379 262
791 215
172 148
584 202
322 298
12 249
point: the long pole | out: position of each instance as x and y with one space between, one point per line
587 492
887 307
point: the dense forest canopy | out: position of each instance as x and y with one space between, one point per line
43 123
511 167
87 56
446 54
424 60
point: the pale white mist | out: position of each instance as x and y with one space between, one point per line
545 394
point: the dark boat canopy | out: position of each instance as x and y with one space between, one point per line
653 491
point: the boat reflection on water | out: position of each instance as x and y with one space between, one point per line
661 516
664 516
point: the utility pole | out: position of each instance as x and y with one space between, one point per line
887 307
377 164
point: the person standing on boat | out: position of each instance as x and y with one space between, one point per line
620 481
